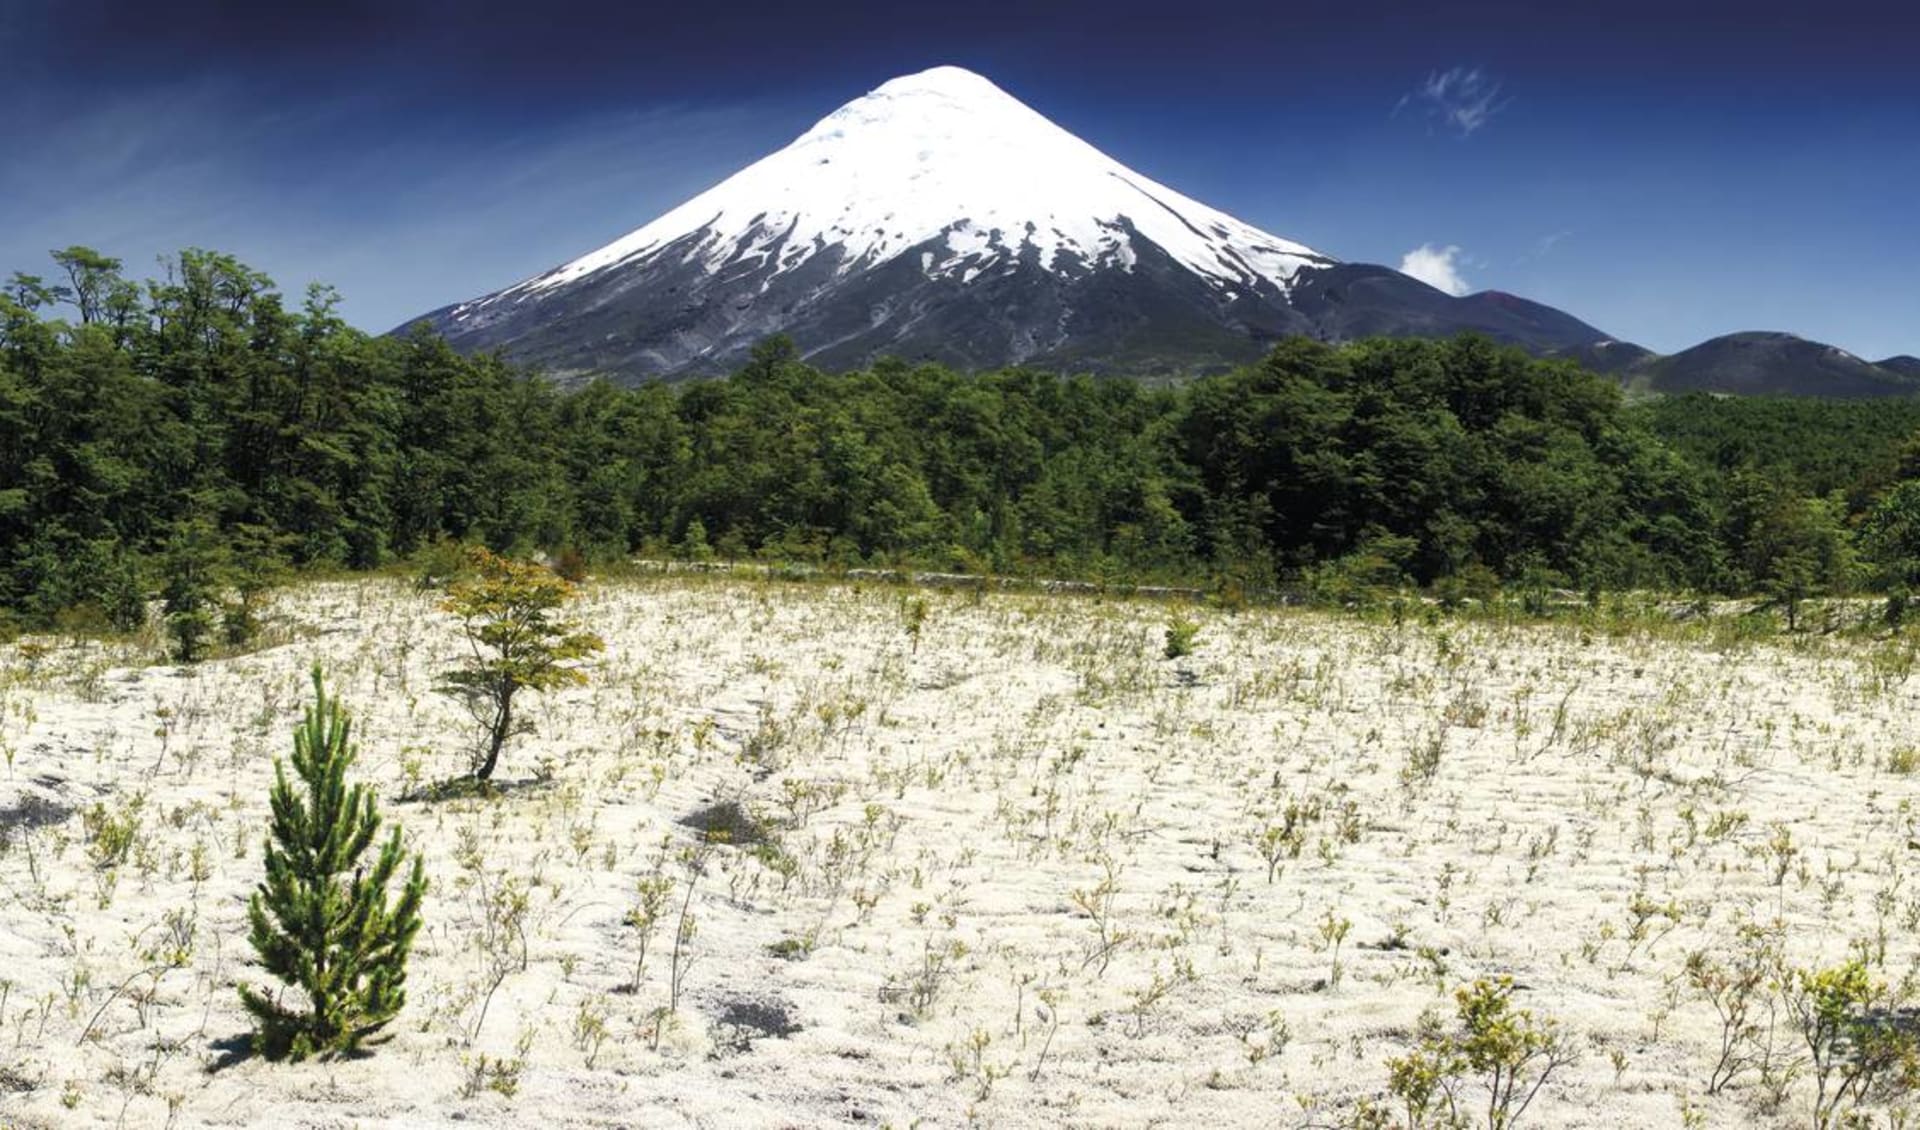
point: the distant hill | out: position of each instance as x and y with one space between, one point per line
1774 364
1612 358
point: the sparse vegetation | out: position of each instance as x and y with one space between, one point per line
1029 849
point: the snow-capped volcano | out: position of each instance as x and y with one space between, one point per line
946 157
938 217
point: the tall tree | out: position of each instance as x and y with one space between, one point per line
91 278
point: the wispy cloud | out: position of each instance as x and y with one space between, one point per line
1438 267
400 221
1460 99
1544 246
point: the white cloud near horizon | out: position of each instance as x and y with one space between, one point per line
1438 267
1462 99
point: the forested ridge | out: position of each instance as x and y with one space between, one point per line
202 422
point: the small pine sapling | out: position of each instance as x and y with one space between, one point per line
1181 633
321 920
913 617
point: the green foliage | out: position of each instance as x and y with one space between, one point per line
1813 447
439 563
516 642
1858 1040
1890 536
1473 582
1736 982
254 567
693 544
191 569
913 619
204 417
1180 636
1364 577
1502 1052
1787 547
321 921
111 833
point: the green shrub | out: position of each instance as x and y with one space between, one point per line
1363 578
439 563
1497 1049
1181 633
190 589
913 618
508 613
1859 1044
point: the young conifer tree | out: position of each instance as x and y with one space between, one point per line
321 920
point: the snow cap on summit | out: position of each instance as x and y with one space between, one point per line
948 79
945 157
937 217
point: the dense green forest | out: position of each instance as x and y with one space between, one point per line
197 424
1819 446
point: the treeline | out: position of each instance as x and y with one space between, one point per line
198 423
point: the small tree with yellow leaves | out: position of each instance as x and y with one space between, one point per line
509 611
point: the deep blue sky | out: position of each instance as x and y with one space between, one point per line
1665 171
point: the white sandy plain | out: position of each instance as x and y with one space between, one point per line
961 821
